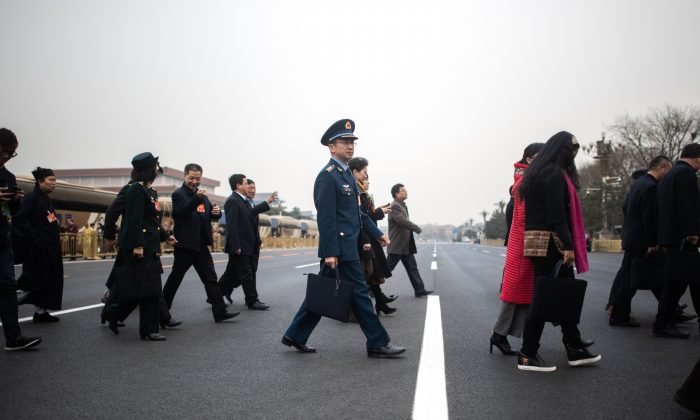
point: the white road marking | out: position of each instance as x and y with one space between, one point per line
486 252
433 265
430 402
434 255
306 265
503 255
67 311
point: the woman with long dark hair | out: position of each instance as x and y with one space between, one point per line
140 238
554 232
374 262
518 275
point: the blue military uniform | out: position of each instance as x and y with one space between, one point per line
339 224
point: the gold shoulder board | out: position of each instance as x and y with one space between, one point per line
330 168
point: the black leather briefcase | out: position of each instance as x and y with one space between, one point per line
558 299
329 297
138 280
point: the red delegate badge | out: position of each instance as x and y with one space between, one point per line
157 204
200 208
51 217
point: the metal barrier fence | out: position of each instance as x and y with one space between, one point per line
92 246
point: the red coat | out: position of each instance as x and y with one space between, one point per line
519 274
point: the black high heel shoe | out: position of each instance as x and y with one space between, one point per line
502 344
383 307
153 337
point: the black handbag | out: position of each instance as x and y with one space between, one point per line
647 273
558 299
137 280
682 264
329 297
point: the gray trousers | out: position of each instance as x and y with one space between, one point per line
511 319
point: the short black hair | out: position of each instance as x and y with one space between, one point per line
235 179
192 167
357 164
691 150
7 138
250 181
395 189
638 174
658 161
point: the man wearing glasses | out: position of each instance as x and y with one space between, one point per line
10 198
339 224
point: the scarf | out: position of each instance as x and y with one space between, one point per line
369 197
577 228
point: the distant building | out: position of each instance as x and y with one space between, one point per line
113 179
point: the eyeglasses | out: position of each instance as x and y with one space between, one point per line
8 155
345 142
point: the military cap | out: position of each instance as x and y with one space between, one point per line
42 173
342 129
143 161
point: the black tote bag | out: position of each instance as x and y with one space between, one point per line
647 273
329 297
138 280
682 264
558 299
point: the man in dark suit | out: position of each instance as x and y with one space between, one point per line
639 237
240 245
403 245
340 222
193 213
255 210
679 227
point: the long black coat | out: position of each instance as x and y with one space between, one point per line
142 216
240 231
679 205
193 218
380 267
115 210
641 215
36 238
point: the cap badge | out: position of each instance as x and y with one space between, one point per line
348 125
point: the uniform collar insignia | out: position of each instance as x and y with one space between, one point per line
330 168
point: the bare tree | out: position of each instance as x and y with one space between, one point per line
663 131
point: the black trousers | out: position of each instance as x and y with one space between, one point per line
675 283
544 266
239 272
409 263
623 292
148 313
8 293
204 266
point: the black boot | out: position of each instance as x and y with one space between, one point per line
502 344
379 302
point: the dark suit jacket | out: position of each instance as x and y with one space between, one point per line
141 225
401 230
255 213
240 232
193 218
679 205
641 215
339 218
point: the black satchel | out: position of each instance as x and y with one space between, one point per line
138 280
558 299
647 273
329 297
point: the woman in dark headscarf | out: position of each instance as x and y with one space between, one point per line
518 276
554 232
37 241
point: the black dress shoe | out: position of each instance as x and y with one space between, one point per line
171 323
423 293
225 315
683 317
153 337
670 331
390 298
114 326
386 351
258 306
44 318
502 344
302 348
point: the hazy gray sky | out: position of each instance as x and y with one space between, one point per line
445 94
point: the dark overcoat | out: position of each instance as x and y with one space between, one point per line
401 230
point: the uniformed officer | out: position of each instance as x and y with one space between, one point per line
339 223
140 238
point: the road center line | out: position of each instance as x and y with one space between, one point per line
433 265
67 311
430 402
306 265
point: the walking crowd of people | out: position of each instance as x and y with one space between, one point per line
546 238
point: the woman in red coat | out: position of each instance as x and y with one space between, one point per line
518 274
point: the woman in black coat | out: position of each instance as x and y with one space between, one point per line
554 233
139 243
37 242
374 262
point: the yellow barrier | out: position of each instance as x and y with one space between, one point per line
606 245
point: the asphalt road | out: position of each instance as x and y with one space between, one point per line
239 370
